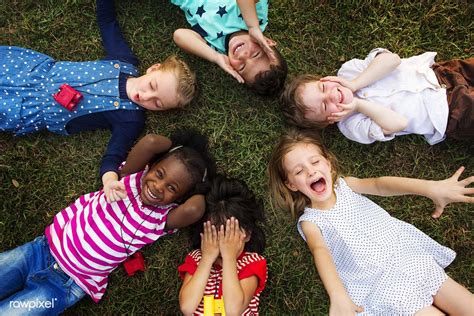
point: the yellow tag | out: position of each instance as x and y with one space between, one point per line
213 306
219 306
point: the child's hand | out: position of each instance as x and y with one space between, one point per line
209 243
223 62
345 307
345 110
114 191
231 241
451 190
256 34
343 82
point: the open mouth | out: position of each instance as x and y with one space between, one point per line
237 48
137 97
152 195
319 186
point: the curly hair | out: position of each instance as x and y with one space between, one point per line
232 198
270 82
191 148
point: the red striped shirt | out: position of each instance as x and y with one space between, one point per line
248 264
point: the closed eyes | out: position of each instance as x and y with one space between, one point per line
255 55
322 89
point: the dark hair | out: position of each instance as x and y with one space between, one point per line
191 148
270 82
232 198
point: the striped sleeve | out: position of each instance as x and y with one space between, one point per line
189 266
255 265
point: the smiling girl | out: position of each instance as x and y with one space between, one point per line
90 238
369 262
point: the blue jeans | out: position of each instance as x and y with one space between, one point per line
32 283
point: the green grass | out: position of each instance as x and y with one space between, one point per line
314 36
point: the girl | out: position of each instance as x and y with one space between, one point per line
226 273
368 261
91 237
383 96
114 96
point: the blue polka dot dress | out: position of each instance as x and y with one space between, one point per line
29 79
387 266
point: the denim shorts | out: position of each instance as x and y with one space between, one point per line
32 283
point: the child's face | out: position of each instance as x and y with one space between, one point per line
247 57
309 172
157 90
321 99
165 182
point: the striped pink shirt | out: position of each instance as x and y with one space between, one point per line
90 238
248 264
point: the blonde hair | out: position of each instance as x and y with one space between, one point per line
292 104
281 195
187 84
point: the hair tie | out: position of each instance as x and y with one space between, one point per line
205 175
175 148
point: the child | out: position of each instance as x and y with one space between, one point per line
114 97
384 96
91 237
229 34
368 261
226 273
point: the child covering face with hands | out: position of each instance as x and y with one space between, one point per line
227 273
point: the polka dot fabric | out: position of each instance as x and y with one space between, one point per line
29 79
387 266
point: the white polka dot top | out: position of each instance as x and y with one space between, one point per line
387 266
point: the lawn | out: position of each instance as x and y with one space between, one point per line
42 173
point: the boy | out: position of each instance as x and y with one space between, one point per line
229 33
113 96
384 96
